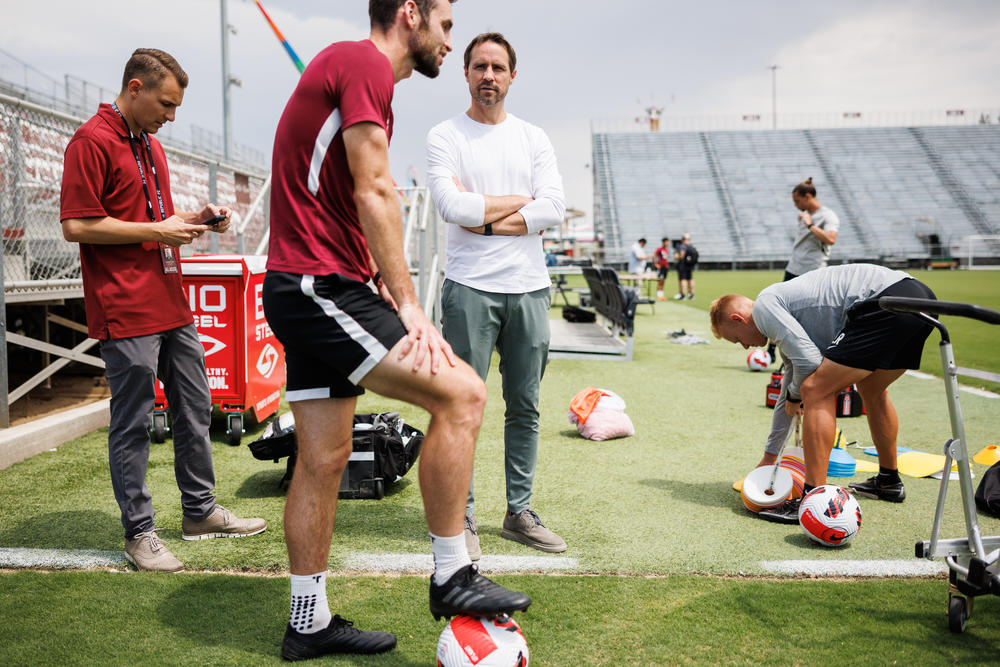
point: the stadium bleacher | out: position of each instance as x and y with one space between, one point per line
892 187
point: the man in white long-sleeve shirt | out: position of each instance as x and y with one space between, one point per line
494 178
831 334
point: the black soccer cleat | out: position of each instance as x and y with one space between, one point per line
872 488
786 512
340 636
470 593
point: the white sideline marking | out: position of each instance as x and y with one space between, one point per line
856 568
372 562
978 392
972 390
60 559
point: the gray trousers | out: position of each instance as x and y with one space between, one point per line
517 325
178 359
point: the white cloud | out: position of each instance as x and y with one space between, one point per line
895 59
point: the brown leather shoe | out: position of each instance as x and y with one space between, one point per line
525 527
148 553
220 523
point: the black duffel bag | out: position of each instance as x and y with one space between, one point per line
384 449
988 493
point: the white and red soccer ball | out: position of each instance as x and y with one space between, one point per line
482 642
830 515
758 360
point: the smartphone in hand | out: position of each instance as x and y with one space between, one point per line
214 220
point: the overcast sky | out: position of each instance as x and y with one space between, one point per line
576 61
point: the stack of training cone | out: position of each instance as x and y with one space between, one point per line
793 459
789 480
988 455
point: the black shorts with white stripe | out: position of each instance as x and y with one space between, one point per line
334 330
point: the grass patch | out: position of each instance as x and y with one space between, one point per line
659 503
101 618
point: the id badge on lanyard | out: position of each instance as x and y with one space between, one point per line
168 254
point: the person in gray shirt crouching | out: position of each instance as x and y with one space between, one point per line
831 334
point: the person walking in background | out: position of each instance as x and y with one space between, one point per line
116 204
661 259
638 256
832 334
494 177
685 258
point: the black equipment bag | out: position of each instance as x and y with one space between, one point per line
849 403
691 255
988 493
577 314
384 449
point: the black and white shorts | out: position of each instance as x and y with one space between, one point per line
876 339
334 330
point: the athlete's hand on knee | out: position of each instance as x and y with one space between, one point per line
422 334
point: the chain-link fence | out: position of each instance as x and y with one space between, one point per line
37 262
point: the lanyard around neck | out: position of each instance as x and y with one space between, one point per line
133 142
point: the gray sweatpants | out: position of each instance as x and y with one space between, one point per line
474 322
178 359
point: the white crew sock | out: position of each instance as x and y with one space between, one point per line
450 556
310 612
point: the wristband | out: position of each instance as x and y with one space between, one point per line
789 399
488 230
377 278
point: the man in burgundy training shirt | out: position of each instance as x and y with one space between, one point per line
336 226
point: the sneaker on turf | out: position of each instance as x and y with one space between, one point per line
471 594
340 636
525 527
691 296
220 523
678 297
787 512
472 538
148 553
872 488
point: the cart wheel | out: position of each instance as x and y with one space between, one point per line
235 430
379 488
158 430
958 614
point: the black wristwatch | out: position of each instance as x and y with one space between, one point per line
488 230
789 399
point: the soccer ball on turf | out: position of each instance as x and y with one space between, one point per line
758 360
482 642
830 515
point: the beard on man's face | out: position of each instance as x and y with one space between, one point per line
425 58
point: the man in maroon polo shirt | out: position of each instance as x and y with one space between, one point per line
116 204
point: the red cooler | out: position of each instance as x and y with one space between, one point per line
245 363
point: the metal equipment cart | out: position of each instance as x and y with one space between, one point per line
973 561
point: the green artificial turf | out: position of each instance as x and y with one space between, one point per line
657 504
975 343
102 618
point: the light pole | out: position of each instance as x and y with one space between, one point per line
774 95
227 81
